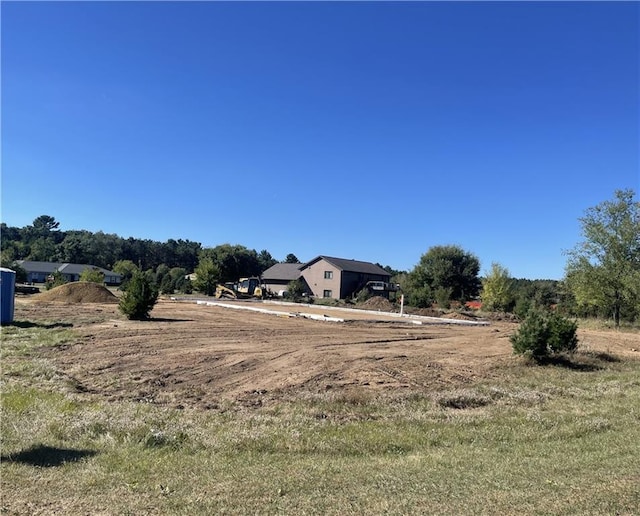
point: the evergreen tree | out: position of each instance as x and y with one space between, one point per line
139 298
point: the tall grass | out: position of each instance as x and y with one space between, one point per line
593 323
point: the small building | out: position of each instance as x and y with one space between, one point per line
38 272
340 278
277 277
7 291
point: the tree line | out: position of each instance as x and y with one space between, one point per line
44 241
602 273
166 264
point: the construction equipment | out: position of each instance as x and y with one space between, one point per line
26 289
381 286
245 288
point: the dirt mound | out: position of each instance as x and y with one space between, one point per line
78 292
377 303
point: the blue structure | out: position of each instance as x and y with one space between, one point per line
7 292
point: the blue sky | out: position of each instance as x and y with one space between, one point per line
365 130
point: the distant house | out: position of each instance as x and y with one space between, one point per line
277 277
38 272
339 278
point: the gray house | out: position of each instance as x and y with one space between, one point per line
277 277
38 272
339 278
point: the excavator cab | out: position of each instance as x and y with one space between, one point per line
250 287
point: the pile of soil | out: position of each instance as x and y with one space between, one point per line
78 292
377 303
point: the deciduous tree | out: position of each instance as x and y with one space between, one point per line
207 276
92 275
233 261
445 267
497 289
603 271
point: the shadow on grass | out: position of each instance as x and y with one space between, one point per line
31 324
604 356
585 362
47 456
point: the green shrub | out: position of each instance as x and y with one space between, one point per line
443 297
92 275
562 336
167 285
55 280
363 295
523 305
542 334
296 291
139 298
183 285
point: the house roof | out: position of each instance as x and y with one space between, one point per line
76 268
33 266
65 268
350 265
282 271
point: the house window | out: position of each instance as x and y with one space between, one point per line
328 275
327 293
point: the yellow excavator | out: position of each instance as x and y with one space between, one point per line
245 288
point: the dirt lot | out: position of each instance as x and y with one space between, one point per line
201 356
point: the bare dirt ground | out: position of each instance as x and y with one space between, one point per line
199 356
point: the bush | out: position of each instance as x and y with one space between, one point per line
443 297
363 295
167 285
183 285
55 280
296 291
92 275
563 336
542 334
522 308
139 298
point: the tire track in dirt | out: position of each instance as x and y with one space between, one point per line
192 355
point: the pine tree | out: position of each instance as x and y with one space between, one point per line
139 298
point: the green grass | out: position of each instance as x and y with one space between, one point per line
541 440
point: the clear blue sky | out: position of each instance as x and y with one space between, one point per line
366 130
